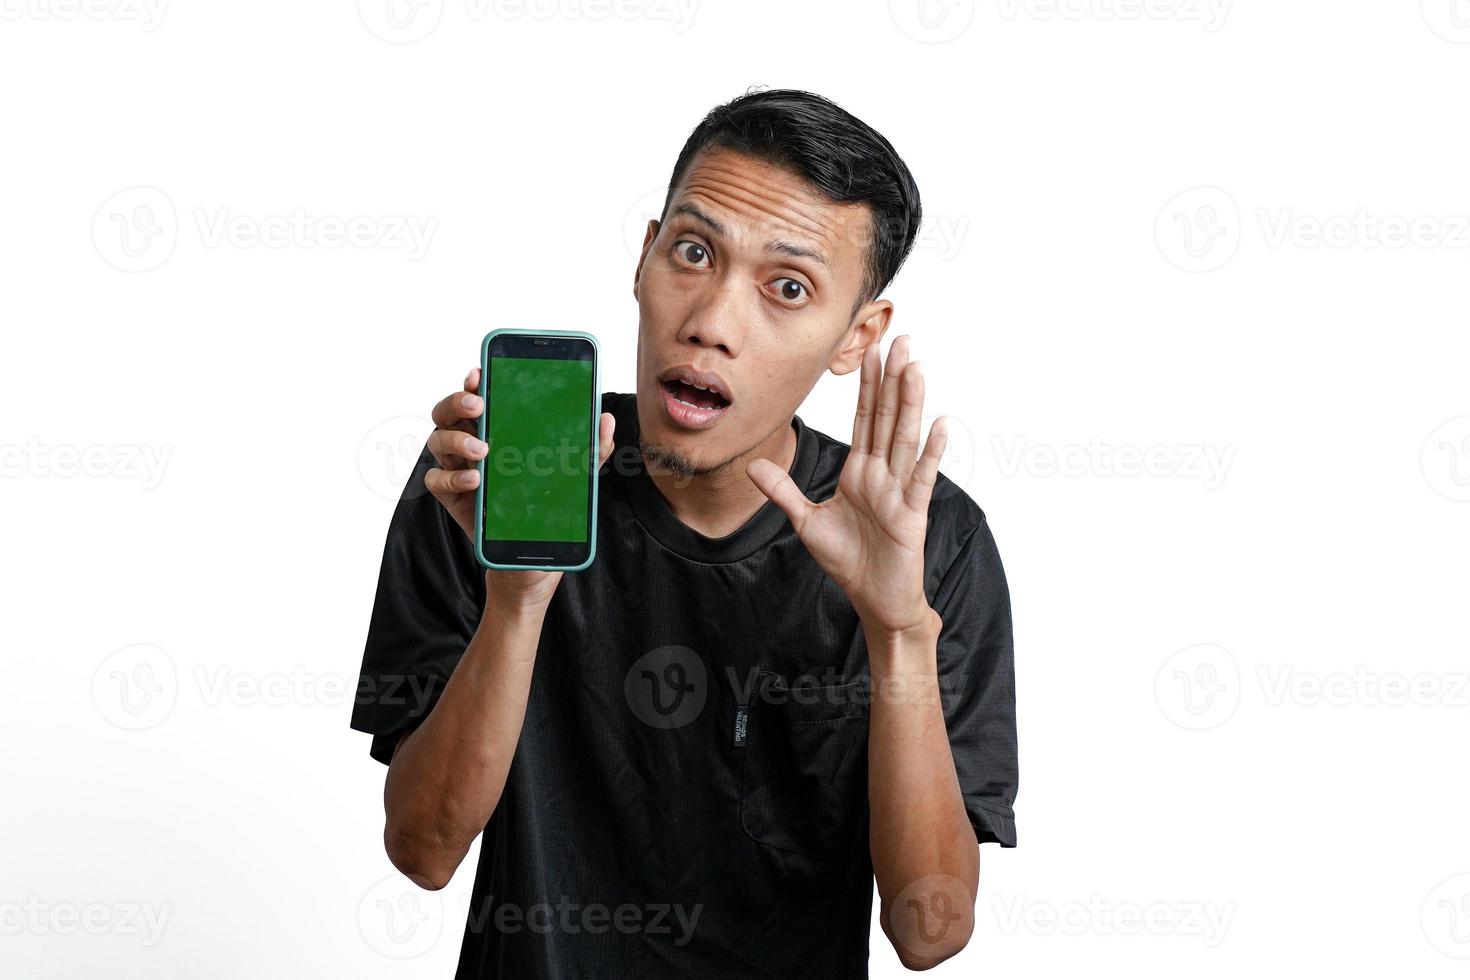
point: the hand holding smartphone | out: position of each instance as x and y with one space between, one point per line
536 501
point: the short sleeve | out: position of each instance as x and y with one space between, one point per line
977 678
425 611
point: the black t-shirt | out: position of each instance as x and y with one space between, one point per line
689 794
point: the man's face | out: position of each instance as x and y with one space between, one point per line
751 279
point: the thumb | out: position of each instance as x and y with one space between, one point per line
777 484
605 426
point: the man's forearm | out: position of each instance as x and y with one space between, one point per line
923 846
446 777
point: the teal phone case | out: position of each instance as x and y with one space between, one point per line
596 415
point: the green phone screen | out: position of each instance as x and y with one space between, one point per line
538 426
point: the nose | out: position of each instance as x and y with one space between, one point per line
716 320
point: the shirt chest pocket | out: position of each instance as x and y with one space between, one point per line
804 775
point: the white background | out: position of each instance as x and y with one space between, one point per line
1157 236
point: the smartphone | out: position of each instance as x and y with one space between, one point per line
536 506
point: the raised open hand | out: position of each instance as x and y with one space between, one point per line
869 536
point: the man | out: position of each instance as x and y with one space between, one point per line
787 674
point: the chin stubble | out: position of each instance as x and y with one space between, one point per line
676 464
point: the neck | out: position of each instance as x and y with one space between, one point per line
719 503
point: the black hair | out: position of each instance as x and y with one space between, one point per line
838 154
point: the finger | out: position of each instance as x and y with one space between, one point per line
888 394
472 380
605 426
926 472
459 410
867 404
906 430
777 484
447 484
455 449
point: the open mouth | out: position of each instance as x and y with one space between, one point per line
692 398
695 396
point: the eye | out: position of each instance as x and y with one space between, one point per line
691 252
791 290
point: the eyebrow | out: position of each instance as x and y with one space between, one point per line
785 248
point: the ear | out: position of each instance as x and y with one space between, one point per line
869 326
648 236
